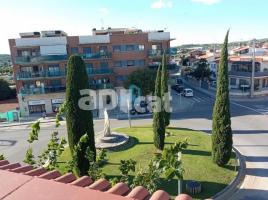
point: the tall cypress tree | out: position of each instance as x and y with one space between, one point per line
164 90
221 126
79 122
158 117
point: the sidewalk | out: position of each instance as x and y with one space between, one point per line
212 93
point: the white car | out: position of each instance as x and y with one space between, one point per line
188 92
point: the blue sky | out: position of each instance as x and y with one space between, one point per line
189 21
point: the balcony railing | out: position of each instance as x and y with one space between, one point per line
99 55
248 74
155 53
92 72
101 86
159 52
40 74
43 90
40 59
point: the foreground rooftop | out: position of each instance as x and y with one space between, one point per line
24 182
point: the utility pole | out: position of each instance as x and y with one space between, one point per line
253 69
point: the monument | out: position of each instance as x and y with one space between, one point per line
107 139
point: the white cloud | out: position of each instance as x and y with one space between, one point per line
103 11
161 4
207 2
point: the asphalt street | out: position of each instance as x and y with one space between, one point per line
249 124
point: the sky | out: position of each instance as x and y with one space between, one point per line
188 21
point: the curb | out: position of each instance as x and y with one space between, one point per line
228 191
26 123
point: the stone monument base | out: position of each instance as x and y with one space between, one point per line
112 141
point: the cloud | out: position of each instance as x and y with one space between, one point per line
207 2
103 11
161 4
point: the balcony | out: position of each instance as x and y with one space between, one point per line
152 53
155 52
92 72
99 55
42 90
40 59
155 65
247 74
40 74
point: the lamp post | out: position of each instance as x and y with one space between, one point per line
253 69
128 113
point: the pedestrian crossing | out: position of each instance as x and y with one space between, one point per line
261 108
199 99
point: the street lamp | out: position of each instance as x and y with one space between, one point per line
128 112
253 69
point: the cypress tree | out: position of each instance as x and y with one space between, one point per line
164 91
158 117
79 122
221 126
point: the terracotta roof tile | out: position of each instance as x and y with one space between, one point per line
50 175
66 178
139 193
119 189
28 186
83 181
160 195
101 184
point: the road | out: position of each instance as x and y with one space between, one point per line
249 124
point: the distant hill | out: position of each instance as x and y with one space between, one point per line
5 60
217 45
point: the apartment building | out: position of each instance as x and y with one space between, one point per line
240 71
40 61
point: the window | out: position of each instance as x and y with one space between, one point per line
130 63
120 78
26 69
156 46
103 48
141 63
89 68
130 47
118 64
232 81
104 65
74 50
53 67
53 70
87 50
243 82
55 82
141 47
117 48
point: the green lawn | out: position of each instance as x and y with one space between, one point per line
196 159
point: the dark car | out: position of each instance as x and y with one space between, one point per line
178 88
179 81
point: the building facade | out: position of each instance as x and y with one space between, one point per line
40 62
240 72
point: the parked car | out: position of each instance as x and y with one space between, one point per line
178 88
188 92
179 81
213 83
142 109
